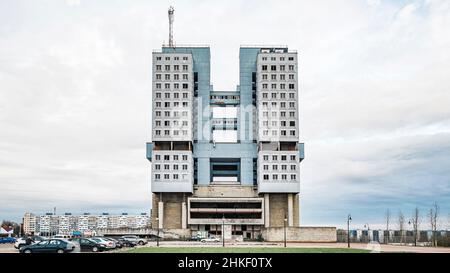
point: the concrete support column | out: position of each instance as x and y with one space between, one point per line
266 210
160 214
183 216
290 201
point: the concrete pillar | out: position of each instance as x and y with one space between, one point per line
160 214
266 210
183 216
290 210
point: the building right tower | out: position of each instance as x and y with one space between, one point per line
279 150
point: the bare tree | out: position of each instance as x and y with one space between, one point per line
401 225
433 217
415 221
388 220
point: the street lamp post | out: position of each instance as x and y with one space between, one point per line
414 231
349 218
157 236
285 222
223 230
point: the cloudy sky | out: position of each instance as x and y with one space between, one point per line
75 97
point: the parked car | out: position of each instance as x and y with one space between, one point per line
62 236
89 245
49 246
7 240
101 240
126 243
118 244
195 238
135 239
22 241
210 240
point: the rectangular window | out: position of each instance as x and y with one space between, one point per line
167 67
264 67
266 177
273 68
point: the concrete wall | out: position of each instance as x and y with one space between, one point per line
225 191
278 207
301 234
172 214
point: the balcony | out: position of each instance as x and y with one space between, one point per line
149 151
225 98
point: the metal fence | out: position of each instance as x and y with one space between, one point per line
422 238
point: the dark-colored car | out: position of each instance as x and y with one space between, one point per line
49 246
126 243
88 245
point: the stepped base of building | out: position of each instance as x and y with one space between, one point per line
238 211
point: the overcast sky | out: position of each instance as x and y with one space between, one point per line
75 97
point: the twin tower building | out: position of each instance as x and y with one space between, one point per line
225 163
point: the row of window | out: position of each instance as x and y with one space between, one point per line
167 104
175 95
275 104
174 132
175 167
276 176
176 86
171 157
273 86
158 123
274 95
274 123
282 157
275 77
282 133
175 67
174 114
274 114
168 77
282 67
176 58
175 176
293 167
275 58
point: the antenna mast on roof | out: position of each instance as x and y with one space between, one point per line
171 19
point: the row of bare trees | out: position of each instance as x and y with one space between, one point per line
415 221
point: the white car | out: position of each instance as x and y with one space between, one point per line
22 241
210 240
106 243
135 239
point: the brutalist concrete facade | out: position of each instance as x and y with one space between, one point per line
225 159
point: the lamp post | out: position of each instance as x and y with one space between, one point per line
223 230
349 218
368 230
285 222
157 236
414 231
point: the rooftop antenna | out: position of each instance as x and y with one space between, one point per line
171 19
